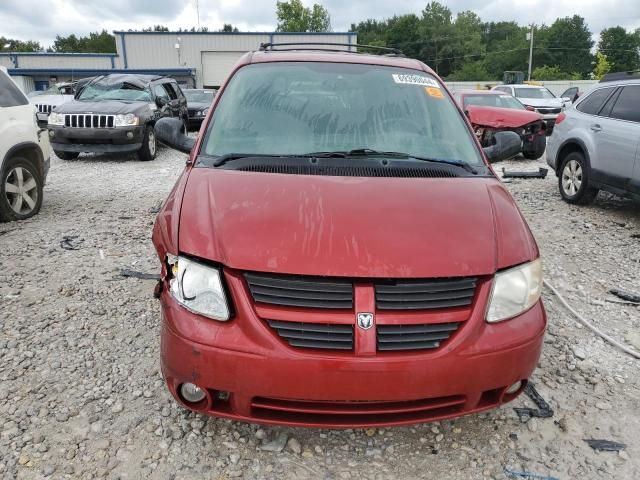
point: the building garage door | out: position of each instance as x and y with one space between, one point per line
216 66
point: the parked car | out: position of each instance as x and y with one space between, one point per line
116 114
594 146
24 153
491 111
360 263
538 99
55 95
198 103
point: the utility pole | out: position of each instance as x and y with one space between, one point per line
530 35
198 12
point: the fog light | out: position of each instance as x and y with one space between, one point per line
514 388
192 393
51 133
129 134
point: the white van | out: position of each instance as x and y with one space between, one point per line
24 154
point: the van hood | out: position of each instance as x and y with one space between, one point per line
352 226
53 100
542 102
496 117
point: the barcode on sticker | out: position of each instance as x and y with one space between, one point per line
414 80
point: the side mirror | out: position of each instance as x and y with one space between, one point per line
171 132
566 99
505 145
530 108
161 101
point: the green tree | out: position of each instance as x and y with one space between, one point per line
95 42
13 45
602 66
567 45
437 33
228 28
553 73
470 71
156 28
621 48
293 16
506 48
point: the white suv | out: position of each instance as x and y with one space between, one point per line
24 154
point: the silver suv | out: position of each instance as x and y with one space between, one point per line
594 145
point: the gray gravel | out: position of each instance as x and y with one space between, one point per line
81 395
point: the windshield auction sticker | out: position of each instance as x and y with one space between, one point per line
414 80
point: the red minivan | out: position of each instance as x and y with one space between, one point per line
338 252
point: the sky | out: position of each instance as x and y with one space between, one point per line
42 20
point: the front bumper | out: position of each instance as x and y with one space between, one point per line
250 374
98 140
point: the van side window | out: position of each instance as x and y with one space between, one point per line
594 102
627 106
10 94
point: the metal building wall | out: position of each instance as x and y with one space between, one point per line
58 61
158 49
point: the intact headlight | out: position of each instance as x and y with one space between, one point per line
198 288
515 291
125 120
204 112
56 118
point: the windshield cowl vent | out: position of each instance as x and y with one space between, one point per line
352 171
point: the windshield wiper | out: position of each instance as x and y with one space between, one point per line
368 152
228 157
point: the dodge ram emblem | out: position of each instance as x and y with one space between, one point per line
365 320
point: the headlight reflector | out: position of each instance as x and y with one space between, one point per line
56 118
125 120
198 288
515 291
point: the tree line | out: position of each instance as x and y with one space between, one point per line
457 47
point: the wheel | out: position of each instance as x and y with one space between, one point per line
534 150
149 145
574 180
66 155
20 190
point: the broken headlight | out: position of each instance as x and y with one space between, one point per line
514 291
198 287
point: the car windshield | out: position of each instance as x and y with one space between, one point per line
490 100
199 96
534 93
304 107
114 91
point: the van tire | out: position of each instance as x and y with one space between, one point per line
573 180
149 145
20 172
66 155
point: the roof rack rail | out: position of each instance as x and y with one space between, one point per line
264 47
612 77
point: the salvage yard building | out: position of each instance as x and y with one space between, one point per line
195 59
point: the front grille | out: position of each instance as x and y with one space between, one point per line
413 337
351 171
425 294
300 291
88 120
315 335
548 110
44 108
355 413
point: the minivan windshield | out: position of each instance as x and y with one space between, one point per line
534 93
296 108
491 100
114 91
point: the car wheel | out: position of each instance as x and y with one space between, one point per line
20 190
149 145
574 180
66 155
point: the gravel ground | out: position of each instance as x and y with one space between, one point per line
81 395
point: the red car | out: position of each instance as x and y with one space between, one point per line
491 111
339 253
